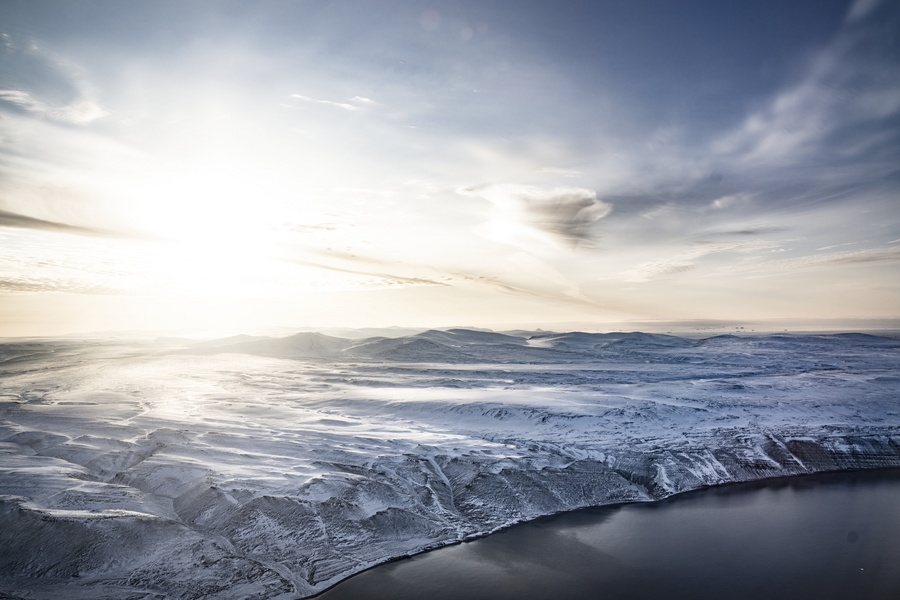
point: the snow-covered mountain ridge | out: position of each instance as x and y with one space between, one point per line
273 468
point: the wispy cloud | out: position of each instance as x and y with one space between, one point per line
560 171
379 273
376 274
60 285
836 246
11 219
872 255
687 260
565 214
357 101
38 259
729 200
861 8
849 83
831 260
750 231
80 112
64 94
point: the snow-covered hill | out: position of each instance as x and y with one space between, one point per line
275 467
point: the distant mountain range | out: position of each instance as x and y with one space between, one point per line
461 345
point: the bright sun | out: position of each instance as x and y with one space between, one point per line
216 229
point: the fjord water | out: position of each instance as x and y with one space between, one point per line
821 536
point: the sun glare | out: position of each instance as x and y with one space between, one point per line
215 229
208 205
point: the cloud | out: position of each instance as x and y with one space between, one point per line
385 273
31 285
496 283
861 9
541 282
728 200
23 100
827 113
560 171
649 270
750 231
687 260
21 286
566 214
11 219
354 265
343 105
80 112
837 246
870 256
42 83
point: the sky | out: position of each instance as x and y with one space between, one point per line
230 166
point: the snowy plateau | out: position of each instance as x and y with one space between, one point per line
254 467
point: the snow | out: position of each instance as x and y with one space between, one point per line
257 467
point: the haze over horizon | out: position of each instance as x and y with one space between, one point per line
235 165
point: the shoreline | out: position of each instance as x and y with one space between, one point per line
677 496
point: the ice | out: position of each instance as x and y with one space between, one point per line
254 467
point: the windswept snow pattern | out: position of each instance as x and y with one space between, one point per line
274 468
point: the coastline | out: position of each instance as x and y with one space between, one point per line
816 477
812 479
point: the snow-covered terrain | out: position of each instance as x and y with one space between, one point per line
273 468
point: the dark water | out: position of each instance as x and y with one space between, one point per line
819 537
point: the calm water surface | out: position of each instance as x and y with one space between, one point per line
821 537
